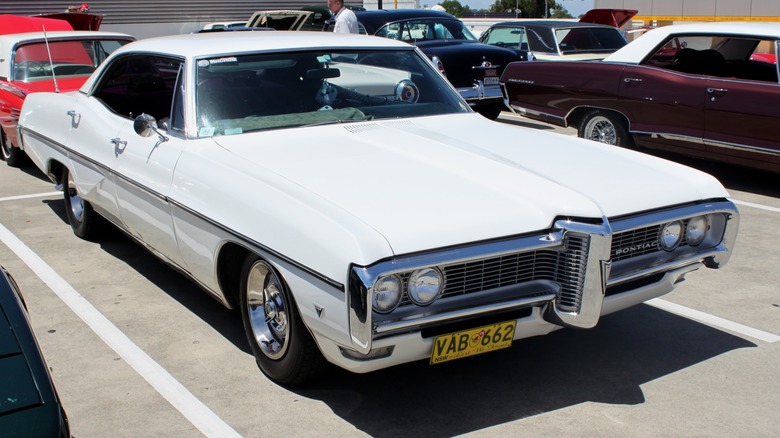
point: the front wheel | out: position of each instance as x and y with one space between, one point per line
604 127
283 348
84 221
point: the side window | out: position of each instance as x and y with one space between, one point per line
513 38
135 85
727 57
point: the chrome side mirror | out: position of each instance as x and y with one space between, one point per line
145 125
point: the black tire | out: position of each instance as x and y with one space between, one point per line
283 348
84 221
491 111
604 127
12 156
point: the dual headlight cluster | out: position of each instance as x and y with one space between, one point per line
694 230
422 287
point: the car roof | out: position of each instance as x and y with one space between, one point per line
221 43
635 51
548 24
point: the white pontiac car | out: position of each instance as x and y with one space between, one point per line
341 194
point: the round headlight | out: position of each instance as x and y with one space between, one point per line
424 286
696 230
387 293
671 235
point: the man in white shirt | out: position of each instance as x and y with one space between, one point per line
345 19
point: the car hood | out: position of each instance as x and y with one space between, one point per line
444 180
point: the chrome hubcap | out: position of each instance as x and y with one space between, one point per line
76 203
600 129
267 310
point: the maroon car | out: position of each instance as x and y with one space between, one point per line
708 90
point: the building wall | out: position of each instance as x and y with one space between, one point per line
698 10
148 18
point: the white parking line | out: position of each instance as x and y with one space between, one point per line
36 195
762 207
203 418
712 320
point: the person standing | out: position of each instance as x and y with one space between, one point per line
345 19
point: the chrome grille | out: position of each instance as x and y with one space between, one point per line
641 241
566 267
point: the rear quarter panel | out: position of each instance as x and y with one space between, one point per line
550 90
45 115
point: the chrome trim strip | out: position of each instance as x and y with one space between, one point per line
240 237
473 311
742 147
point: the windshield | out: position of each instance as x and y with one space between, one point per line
426 29
238 94
33 62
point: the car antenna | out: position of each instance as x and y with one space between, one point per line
51 62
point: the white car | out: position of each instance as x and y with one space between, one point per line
340 192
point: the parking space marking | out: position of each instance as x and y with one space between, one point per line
762 207
203 418
713 320
36 195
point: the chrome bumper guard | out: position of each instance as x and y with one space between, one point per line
479 91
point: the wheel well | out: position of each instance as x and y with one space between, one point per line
55 171
229 262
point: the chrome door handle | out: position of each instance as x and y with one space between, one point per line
119 145
717 90
632 80
75 118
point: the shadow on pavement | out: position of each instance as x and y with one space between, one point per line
607 364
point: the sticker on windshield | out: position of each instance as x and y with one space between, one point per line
207 62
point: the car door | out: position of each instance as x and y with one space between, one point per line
742 115
143 166
667 105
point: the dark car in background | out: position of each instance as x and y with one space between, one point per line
473 68
595 36
29 404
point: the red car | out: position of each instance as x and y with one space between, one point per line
694 89
32 60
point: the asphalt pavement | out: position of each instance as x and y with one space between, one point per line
135 349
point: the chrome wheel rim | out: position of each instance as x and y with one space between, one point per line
267 310
600 129
76 203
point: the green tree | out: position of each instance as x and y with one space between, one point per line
455 8
531 8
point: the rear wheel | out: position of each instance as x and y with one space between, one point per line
84 221
284 349
604 127
12 156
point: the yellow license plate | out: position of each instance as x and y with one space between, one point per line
470 342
